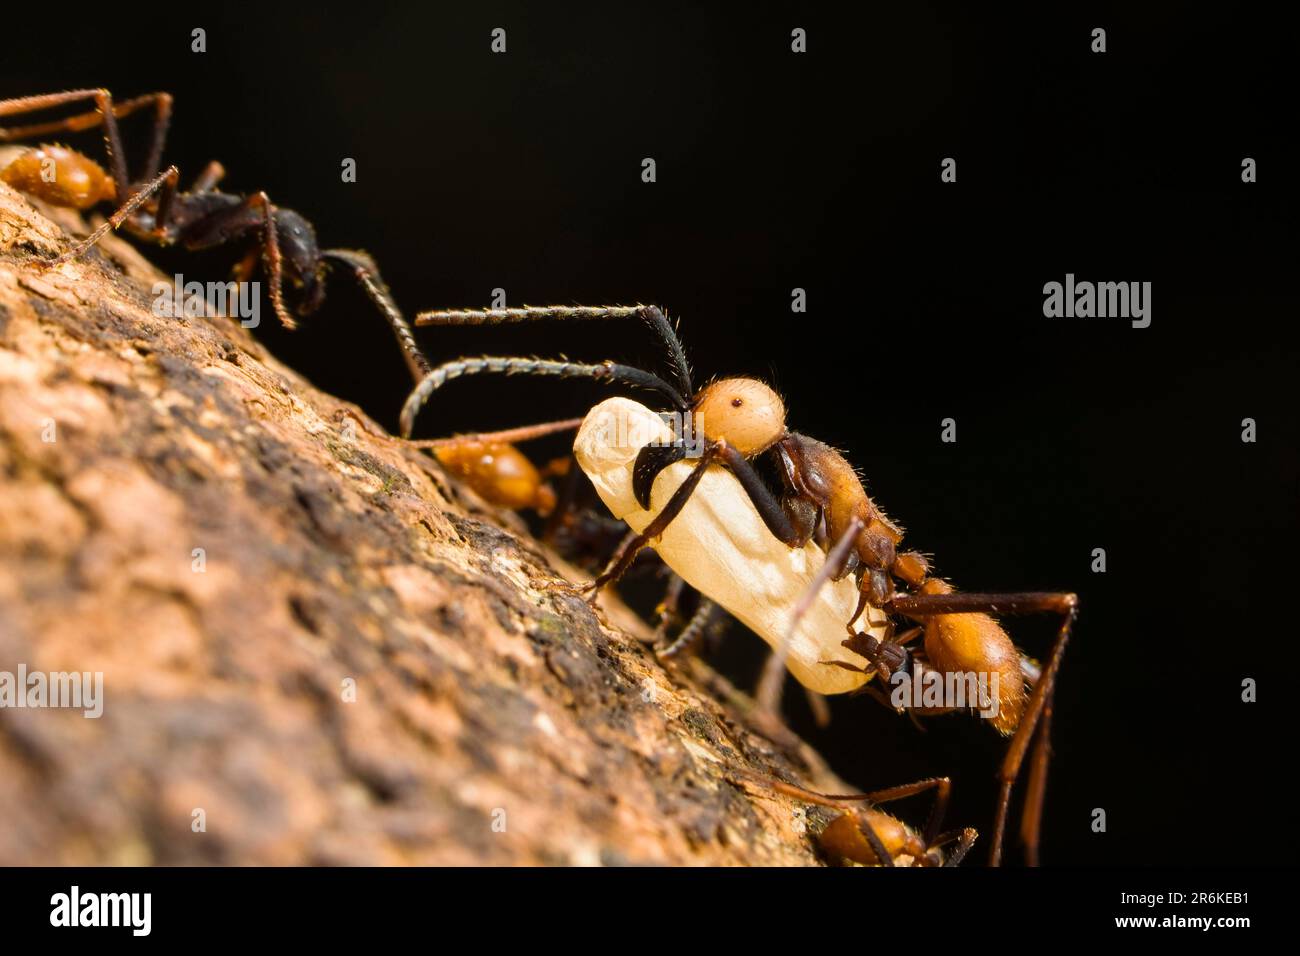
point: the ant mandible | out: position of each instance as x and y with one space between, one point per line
821 500
153 209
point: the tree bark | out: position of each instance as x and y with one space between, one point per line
316 648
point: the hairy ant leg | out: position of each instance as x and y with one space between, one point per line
924 606
164 184
705 613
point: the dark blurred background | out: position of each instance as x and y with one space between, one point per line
821 171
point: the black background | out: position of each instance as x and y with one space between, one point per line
821 171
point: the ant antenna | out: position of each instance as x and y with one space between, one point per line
604 372
367 272
652 315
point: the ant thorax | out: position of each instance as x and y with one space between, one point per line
721 547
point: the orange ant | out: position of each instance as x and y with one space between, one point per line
153 209
821 500
868 836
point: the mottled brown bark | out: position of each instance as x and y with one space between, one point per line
332 552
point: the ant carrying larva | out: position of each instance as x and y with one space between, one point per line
796 564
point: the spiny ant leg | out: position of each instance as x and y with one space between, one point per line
610 372
1066 605
773 679
158 139
623 559
367 273
166 181
965 839
694 630
271 259
652 315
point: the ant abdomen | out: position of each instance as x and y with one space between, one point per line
59 176
974 643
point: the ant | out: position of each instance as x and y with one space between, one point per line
821 502
868 836
153 209
498 471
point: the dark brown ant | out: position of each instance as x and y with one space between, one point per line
154 210
821 499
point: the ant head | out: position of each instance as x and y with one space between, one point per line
744 412
60 176
301 254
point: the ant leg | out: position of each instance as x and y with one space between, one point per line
610 372
694 630
652 315
271 260
1064 604
207 180
668 609
623 559
1031 816
770 684
367 273
104 113
965 840
564 507
161 102
821 710
507 436
165 181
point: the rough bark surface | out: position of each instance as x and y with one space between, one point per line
497 719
